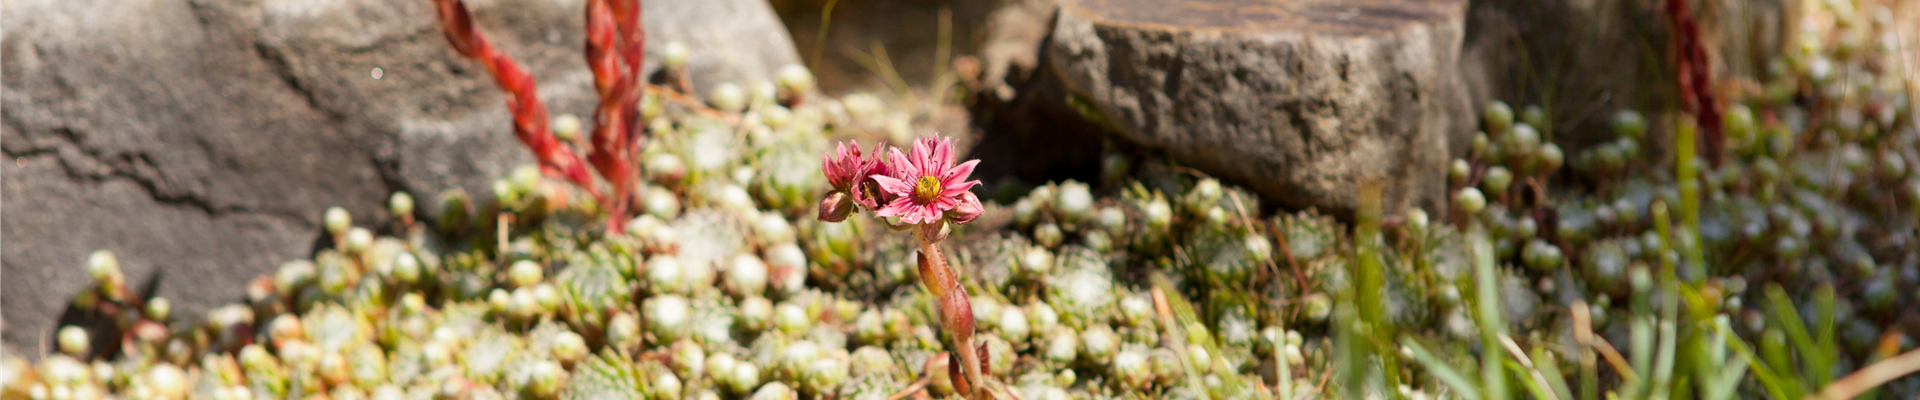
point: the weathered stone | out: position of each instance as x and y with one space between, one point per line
204 138
1301 101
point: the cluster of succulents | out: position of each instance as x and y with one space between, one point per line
1638 265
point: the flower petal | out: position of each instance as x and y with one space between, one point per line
958 173
901 167
920 213
943 153
898 208
893 185
956 190
922 152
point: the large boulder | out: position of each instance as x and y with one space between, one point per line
1300 101
200 140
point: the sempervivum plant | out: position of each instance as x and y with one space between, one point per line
925 191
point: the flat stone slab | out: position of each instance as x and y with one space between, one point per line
1300 100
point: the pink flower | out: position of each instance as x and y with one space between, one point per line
867 192
844 167
926 185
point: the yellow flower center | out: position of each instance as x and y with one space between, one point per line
928 188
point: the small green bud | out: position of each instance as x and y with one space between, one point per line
1013 324
1496 117
1630 124
104 267
1496 180
747 276
665 387
756 314
1048 234
791 319
1534 115
775 391
728 97
668 317
357 241
674 56
400 205
1098 343
566 127
1550 157
406 268
547 297
499 302
1035 262
159 309
1469 200
73 340
546 379
1458 171
824 375
1073 202
522 305
337 220
689 360
623 329
1131 369
569 347
524 273
794 81
1136 310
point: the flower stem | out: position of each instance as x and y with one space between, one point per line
942 283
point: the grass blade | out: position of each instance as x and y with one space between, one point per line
1440 370
1486 293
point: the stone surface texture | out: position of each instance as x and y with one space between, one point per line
200 140
1301 101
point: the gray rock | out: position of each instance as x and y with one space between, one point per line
201 140
1299 101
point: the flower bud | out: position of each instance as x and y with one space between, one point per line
357 241
1048 234
668 317
569 347
1497 117
406 268
836 207
747 276
791 319
968 209
73 340
1469 200
756 314
674 56
401 205
104 267
524 273
566 127
337 221
1459 171
728 97
159 309
794 82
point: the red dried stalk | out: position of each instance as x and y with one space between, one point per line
1695 76
529 114
614 36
